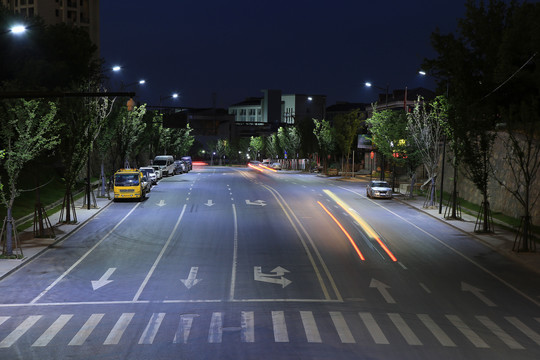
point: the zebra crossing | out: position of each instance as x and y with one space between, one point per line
448 330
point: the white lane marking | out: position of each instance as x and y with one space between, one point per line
342 328
280 327
152 328
19 331
426 289
310 327
216 328
533 335
436 330
158 259
184 328
507 284
3 319
500 333
82 257
51 332
404 329
235 254
465 330
247 333
86 329
373 328
118 329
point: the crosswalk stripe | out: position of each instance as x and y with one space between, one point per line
524 329
184 328
118 329
215 333
436 330
342 328
152 328
51 332
310 327
86 329
373 328
500 333
247 323
3 318
280 327
465 330
404 329
19 331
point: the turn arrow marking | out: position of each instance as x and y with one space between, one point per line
275 278
382 289
256 202
104 280
478 293
192 278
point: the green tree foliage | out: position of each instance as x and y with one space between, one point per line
289 140
182 141
325 139
128 129
222 149
256 146
273 148
27 129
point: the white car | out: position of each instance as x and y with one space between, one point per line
157 170
276 166
379 189
150 173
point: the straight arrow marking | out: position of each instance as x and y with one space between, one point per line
382 287
209 203
192 278
256 202
161 203
478 293
104 280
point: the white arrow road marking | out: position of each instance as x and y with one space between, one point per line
275 278
104 280
161 203
209 203
477 292
256 202
382 289
192 278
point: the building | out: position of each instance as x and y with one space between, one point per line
401 99
266 114
80 13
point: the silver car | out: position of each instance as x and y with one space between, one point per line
150 174
379 189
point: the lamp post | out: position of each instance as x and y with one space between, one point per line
173 96
368 84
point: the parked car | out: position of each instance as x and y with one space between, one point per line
188 161
166 164
150 174
276 166
157 170
180 167
146 184
379 189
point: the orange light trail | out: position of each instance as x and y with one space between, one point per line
344 231
267 168
368 229
255 167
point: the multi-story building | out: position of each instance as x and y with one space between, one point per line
274 109
81 13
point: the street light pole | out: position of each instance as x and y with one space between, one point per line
368 84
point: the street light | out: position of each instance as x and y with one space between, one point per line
18 29
173 96
368 84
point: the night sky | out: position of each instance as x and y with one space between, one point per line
236 48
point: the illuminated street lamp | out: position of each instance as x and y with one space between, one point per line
368 84
18 29
173 96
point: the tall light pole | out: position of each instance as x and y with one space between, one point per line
368 84
172 96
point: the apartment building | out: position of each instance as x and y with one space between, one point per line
81 13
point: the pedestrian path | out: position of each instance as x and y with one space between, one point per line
365 328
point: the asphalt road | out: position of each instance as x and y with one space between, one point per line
239 263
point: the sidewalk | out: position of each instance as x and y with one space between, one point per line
32 247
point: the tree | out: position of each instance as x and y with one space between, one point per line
325 138
128 129
256 146
426 125
182 140
346 128
273 148
28 128
289 140
222 149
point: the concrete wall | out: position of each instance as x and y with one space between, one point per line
500 199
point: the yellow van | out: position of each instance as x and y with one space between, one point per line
128 184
